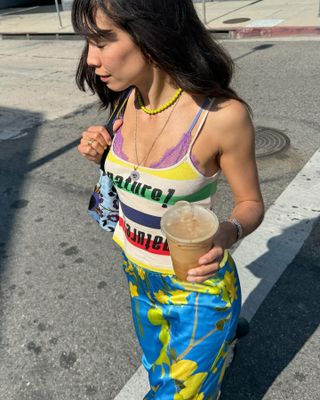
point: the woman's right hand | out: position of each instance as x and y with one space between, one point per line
95 140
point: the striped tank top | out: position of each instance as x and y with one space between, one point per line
143 202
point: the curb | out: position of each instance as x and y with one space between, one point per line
278 31
222 33
39 36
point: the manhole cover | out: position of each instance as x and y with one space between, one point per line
270 141
236 20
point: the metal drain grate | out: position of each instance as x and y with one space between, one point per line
270 141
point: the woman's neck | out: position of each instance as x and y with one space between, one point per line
156 88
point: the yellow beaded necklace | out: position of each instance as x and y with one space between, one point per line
161 108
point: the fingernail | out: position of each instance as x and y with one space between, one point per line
190 279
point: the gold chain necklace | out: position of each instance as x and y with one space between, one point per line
134 175
161 108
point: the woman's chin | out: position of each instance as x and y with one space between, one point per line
117 87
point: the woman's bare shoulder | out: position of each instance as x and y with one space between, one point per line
230 120
229 112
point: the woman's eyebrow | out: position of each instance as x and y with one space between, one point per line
101 35
107 34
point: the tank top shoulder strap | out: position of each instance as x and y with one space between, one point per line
196 118
207 103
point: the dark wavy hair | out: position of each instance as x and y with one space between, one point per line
170 33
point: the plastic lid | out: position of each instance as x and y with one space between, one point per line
189 223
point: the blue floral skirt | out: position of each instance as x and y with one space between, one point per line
184 329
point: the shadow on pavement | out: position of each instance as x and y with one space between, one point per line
43 160
234 10
256 48
14 158
283 324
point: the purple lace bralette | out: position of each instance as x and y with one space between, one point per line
170 157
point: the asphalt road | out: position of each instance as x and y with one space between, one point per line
65 323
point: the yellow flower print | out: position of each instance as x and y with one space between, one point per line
178 396
133 290
224 259
223 370
220 324
222 354
213 286
179 297
130 270
141 273
225 296
231 261
230 282
156 318
199 396
162 297
182 370
192 385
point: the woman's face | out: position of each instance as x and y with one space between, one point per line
116 58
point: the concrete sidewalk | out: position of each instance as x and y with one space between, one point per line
263 17
236 19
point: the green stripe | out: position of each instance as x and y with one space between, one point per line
204 193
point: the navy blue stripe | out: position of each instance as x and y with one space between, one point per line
140 218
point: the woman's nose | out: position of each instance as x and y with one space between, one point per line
93 58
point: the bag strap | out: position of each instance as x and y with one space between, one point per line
119 105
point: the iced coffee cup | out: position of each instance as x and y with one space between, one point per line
189 229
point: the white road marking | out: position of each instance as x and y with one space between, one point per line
263 256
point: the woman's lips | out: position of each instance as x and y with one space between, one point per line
105 78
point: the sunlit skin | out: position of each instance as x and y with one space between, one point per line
226 141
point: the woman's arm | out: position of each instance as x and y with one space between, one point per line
236 144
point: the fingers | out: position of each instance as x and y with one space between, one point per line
216 253
209 265
200 274
117 123
95 140
93 143
89 152
99 134
199 279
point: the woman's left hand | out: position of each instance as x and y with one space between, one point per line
209 263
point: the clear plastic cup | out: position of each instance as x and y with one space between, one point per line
189 229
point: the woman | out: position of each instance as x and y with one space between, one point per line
180 126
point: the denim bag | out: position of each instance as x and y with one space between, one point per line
104 201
